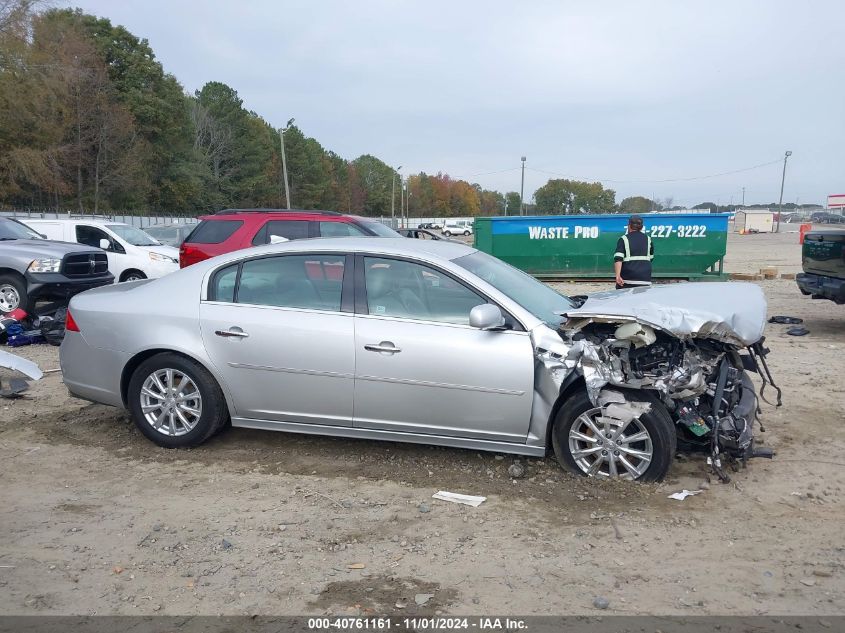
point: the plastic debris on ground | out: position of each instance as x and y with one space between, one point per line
13 361
15 389
683 494
455 497
798 331
786 320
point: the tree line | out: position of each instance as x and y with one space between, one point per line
90 121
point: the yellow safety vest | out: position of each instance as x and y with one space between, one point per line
627 257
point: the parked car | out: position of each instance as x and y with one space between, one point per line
423 341
132 254
457 227
823 261
421 234
234 229
34 269
170 234
824 217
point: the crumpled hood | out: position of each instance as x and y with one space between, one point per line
732 312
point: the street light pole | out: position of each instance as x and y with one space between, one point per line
522 190
786 155
393 198
284 161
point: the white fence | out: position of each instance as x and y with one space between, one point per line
141 221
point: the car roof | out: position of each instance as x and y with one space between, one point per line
77 220
400 246
279 212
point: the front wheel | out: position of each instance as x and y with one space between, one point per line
466 232
13 294
629 435
175 401
447 233
133 275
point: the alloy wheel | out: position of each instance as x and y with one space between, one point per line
603 446
171 402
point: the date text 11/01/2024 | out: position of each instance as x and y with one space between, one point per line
420 623
593 232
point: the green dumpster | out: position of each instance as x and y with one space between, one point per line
686 245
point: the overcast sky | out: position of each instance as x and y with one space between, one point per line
629 93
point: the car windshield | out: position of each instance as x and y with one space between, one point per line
14 230
382 230
134 236
536 297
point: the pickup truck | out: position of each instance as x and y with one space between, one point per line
823 261
33 268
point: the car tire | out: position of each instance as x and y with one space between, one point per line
132 275
13 294
660 445
447 233
210 402
466 232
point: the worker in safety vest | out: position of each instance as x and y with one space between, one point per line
632 259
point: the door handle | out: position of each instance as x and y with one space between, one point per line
231 333
385 347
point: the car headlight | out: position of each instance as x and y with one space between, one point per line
49 265
158 257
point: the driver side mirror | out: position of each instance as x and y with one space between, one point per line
487 317
105 244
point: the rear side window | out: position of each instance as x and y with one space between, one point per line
213 231
293 281
223 284
339 229
287 229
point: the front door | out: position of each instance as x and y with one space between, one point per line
421 368
274 328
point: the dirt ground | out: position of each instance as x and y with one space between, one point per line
97 520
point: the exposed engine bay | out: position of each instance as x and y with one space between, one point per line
703 383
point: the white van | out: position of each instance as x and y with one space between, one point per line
132 253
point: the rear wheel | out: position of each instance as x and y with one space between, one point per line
13 294
466 232
175 401
447 233
634 439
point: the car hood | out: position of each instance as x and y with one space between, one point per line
730 312
40 249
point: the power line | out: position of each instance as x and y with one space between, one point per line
664 180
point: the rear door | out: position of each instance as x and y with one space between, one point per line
279 330
421 368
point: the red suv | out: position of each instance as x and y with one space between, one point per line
234 229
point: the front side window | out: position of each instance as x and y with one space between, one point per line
14 230
91 236
289 281
282 231
405 289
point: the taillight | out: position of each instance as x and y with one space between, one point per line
189 255
70 324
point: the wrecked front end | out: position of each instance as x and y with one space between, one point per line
688 355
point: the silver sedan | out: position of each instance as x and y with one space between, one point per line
417 341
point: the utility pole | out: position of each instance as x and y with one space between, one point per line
522 190
284 161
743 196
786 155
393 198
506 204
